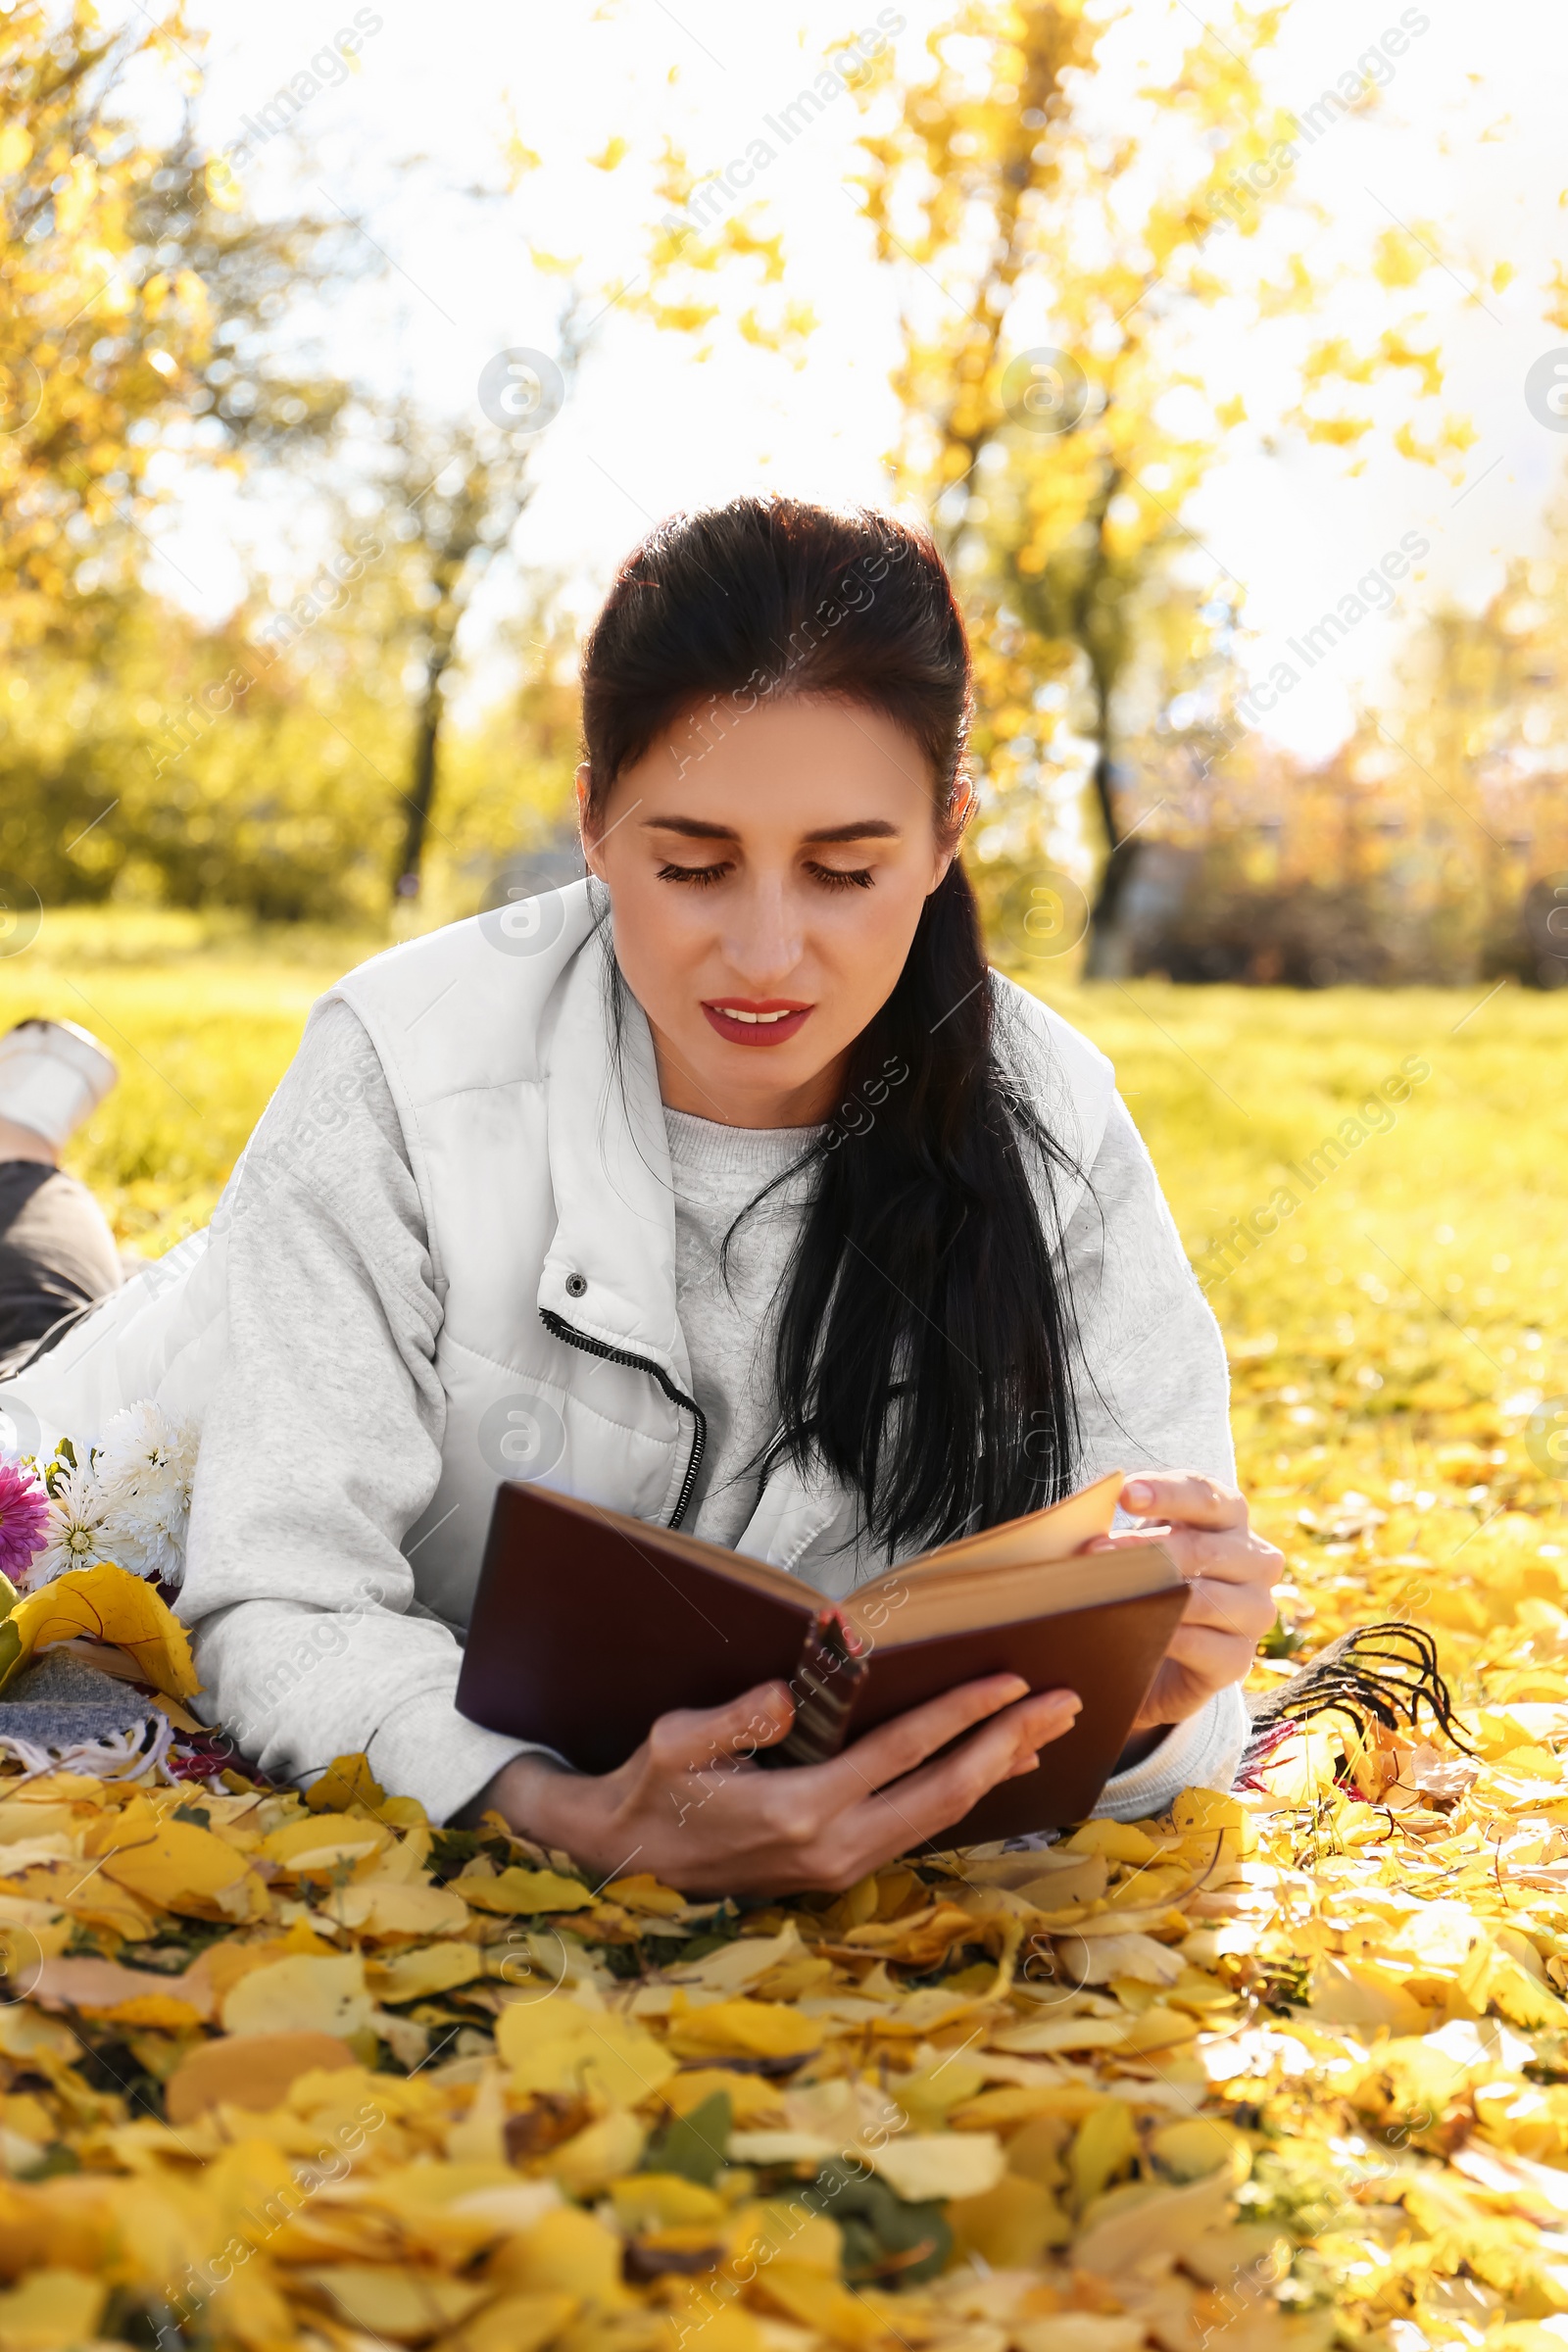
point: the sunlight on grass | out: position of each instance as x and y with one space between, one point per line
1390 1340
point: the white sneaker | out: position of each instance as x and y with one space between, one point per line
53 1075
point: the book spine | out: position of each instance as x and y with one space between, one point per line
824 1687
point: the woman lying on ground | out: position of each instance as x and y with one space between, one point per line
733 1178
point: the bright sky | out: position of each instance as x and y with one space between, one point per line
1466 135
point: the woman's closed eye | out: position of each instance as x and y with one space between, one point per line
831 877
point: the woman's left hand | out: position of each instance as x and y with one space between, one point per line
1230 1572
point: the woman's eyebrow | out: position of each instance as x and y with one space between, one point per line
698 828
870 829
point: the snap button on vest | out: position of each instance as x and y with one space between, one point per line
575 1286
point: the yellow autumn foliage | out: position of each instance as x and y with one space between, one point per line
101 1604
1334 2105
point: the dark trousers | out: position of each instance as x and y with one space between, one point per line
57 1254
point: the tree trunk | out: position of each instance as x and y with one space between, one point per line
426 740
1106 958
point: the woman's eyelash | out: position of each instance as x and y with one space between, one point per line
834 877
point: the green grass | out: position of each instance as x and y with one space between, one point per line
203 1015
1386 1340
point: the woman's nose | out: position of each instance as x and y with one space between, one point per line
765 942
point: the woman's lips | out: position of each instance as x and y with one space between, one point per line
760 1021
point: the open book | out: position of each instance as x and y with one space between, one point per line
587 1624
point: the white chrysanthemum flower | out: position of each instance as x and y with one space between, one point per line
74 1529
145 1465
141 1444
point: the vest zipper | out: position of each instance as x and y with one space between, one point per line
562 1330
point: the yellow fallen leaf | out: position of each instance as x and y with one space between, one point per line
515 2323
247 2070
1162 2223
175 1865
645 1894
568 2253
415 1974
775 2227
389 2300
736 1967
51 2311
920 2165
753 2099
929 2010
324 1843
1223 2253
450 2212
1117 1841
1162 2028
586 2164
1355 1992
1103 1959
107 1604
743 2029
1080 2332
1516 1995
557 2045
1018 2103
1009 2227
161 2012
1054 2035
726 2327
1201 2144
664 2202
820 2303
303 1994
1203 1811
26 1817
90 1898
1106 2145
249 2307
346 1781
386 1911
98 1986
529 1891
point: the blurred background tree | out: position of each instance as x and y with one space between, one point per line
1057 423
451 497
400 720
134 296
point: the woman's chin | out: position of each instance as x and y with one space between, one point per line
745 1085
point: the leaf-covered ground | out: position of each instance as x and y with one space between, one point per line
1288 2069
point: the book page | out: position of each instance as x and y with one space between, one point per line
1054 1533
955 1599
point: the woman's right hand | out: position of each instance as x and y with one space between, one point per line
693 1807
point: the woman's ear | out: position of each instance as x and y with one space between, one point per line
965 801
586 826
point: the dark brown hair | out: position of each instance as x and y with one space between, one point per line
922 1343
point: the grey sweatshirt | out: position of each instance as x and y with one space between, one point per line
321 1444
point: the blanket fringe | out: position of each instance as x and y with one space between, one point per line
1383 1673
141 1752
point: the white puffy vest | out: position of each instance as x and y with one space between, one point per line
537 1143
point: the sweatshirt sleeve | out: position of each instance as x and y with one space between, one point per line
1152 1394
321 1446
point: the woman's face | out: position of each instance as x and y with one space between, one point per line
765 887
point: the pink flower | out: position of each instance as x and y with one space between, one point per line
24 1513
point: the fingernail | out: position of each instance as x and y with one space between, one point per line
1139 1495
